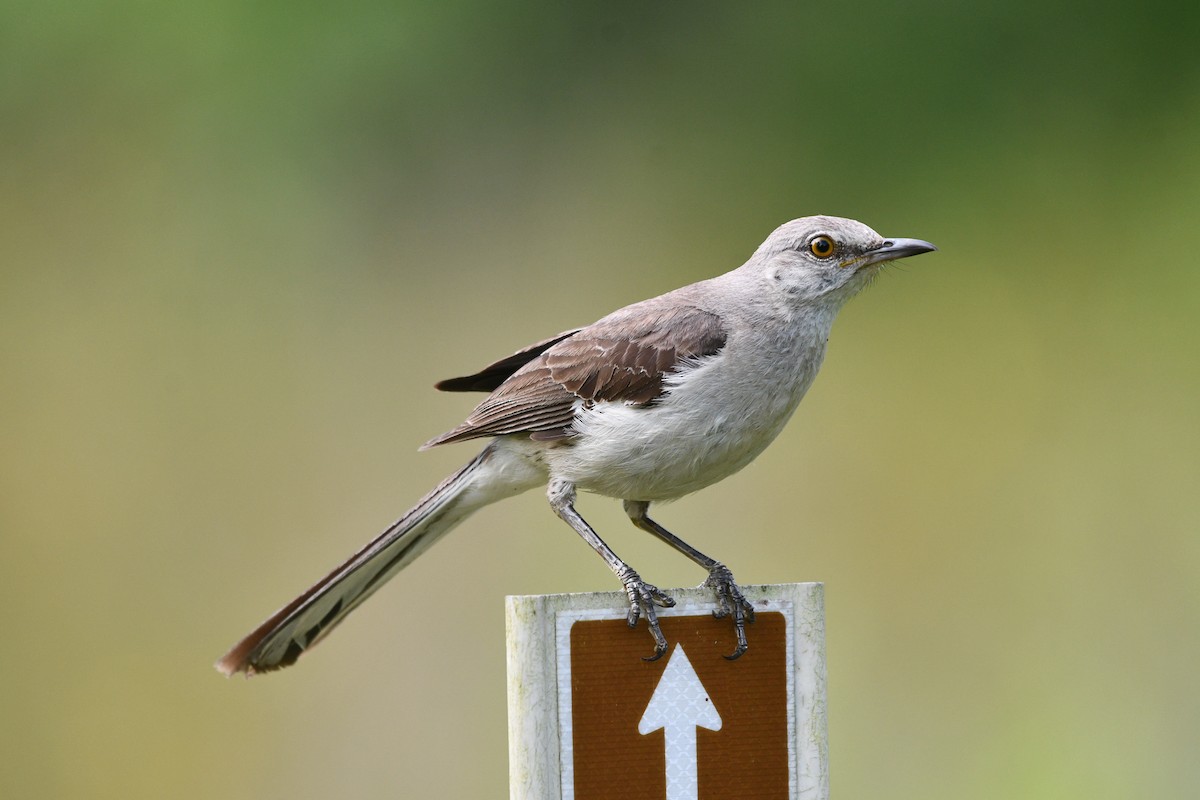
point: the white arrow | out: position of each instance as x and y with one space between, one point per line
680 704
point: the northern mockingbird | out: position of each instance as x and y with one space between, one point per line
650 403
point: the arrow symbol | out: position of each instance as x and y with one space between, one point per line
679 705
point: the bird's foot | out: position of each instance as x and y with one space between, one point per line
643 597
730 603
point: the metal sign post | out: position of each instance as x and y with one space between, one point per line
589 719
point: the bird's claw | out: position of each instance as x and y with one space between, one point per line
730 602
643 597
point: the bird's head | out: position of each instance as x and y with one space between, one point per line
831 258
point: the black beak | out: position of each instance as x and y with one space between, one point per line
897 248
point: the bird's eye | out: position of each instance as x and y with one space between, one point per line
822 247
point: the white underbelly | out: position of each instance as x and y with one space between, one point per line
705 429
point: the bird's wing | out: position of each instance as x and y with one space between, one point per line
623 358
490 377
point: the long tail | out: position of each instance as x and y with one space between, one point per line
296 627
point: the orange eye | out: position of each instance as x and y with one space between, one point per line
822 247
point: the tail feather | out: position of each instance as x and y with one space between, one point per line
299 625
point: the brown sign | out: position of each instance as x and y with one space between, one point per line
690 725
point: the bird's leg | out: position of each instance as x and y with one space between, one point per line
642 596
730 601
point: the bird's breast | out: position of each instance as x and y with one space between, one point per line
717 415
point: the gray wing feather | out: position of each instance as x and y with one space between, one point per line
622 358
490 377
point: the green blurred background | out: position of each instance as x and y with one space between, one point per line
239 242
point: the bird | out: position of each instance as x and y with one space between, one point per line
655 401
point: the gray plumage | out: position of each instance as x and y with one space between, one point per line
652 402
623 358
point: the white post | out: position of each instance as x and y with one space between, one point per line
579 691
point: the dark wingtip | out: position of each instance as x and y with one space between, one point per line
468 383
